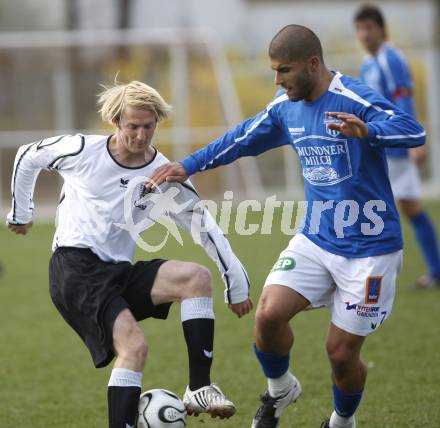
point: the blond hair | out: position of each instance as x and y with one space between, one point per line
115 98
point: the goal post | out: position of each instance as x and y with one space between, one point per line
65 80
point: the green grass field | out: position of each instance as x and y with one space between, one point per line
47 378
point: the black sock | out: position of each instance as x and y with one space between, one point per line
199 336
122 405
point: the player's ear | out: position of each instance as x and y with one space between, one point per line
314 63
116 122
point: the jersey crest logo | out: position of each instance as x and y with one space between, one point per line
331 132
372 291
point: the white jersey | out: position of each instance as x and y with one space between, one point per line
103 206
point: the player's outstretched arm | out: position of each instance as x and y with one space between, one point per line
379 121
20 229
241 309
249 138
172 171
55 153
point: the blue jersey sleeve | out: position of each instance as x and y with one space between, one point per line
405 102
249 138
399 70
389 126
398 80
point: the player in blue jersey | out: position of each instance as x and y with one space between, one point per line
349 251
386 70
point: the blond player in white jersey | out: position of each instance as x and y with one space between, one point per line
103 209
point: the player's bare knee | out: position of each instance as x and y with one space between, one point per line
131 344
137 350
198 283
142 350
341 357
266 318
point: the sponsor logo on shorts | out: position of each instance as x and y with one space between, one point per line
350 307
284 263
363 311
372 291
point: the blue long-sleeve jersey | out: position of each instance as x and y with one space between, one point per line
351 210
389 74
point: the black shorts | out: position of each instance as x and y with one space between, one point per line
90 293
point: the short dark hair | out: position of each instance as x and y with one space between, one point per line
369 11
295 43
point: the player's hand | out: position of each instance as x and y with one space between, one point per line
172 171
350 125
418 155
241 309
20 229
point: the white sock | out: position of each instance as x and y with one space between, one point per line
196 308
125 377
337 421
279 385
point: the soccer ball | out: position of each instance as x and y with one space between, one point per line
159 408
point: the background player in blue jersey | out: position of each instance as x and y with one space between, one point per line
386 70
349 252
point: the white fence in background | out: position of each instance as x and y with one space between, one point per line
177 42
246 177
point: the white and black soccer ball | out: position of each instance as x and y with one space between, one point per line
159 408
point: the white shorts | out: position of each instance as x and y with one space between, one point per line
360 291
404 178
